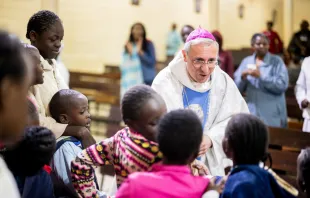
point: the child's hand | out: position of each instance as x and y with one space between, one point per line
86 138
81 133
219 187
199 168
305 103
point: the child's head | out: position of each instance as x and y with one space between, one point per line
303 170
141 109
179 136
34 151
34 54
15 80
33 115
45 31
70 107
246 139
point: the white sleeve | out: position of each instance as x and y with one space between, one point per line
300 88
211 194
8 187
59 79
232 103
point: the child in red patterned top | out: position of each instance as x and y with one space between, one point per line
131 149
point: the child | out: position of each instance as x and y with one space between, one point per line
303 171
15 79
246 143
179 138
131 149
70 107
67 107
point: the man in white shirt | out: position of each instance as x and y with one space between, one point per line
303 92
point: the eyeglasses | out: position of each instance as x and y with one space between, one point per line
199 63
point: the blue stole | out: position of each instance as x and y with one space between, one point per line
197 102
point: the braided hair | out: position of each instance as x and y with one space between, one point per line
134 100
41 21
248 139
35 149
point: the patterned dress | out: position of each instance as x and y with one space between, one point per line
127 151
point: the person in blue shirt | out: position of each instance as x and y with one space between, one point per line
246 143
173 43
263 78
138 45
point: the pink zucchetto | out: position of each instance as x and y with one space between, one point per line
199 33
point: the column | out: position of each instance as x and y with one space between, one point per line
213 9
287 21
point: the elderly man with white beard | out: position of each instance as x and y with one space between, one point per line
194 80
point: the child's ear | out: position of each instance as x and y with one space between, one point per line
227 150
63 118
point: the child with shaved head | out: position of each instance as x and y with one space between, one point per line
68 107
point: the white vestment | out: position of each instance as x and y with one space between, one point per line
8 186
225 100
303 91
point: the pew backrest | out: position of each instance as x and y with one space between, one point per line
284 147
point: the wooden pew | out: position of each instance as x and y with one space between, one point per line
111 69
293 111
115 68
284 147
103 93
